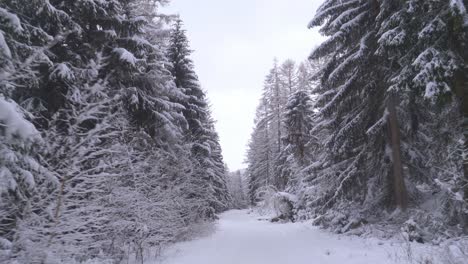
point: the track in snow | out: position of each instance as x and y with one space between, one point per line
241 238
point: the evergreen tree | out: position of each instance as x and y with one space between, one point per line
435 69
384 62
22 177
260 155
96 81
208 172
237 190
305 77
298 121
356 99
288 76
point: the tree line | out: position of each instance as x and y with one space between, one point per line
379 125
107 143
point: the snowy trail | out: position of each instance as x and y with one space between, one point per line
241 238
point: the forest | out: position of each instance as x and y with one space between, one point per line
107 141
109 148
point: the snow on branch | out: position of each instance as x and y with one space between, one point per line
126 56
13 122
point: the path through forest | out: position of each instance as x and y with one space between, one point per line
240 238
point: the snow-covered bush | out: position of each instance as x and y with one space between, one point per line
412 232
278 205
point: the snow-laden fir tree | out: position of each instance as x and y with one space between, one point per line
95 78
269 163
305 76
298 121
22 177
289 75
24 43
382 63
260 155
237 189
208 171
432 75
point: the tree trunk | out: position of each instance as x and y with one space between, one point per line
461 90
465 150
458 43
461 87
267 136
400 192
278 116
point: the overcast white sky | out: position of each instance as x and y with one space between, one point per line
234 45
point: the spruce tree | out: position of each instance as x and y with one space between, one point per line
298 122
94 76
385 66
208 171
361 110
260 155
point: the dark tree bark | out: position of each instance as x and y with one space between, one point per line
461 90
400 192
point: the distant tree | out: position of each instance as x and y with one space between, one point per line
288 76
237 190
298 122
260 154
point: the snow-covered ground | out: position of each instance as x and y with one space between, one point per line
241 238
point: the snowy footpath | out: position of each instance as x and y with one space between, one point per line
240 238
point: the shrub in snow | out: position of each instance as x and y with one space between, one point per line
280 205
264 197
412 232
283 204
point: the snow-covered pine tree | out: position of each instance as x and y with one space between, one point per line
305 77
220 174
236 187
35 46
81 151
24 49
279 83
366 106
208 171
74 109
275 94
356 99
147 199
161 211
182 69
298 122
259 155
95 77
268 165
286 166
295 155
99 51
431 76
288 75
22 177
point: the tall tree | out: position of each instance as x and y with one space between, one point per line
354 82
199 134
434 67
95 81
385 66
